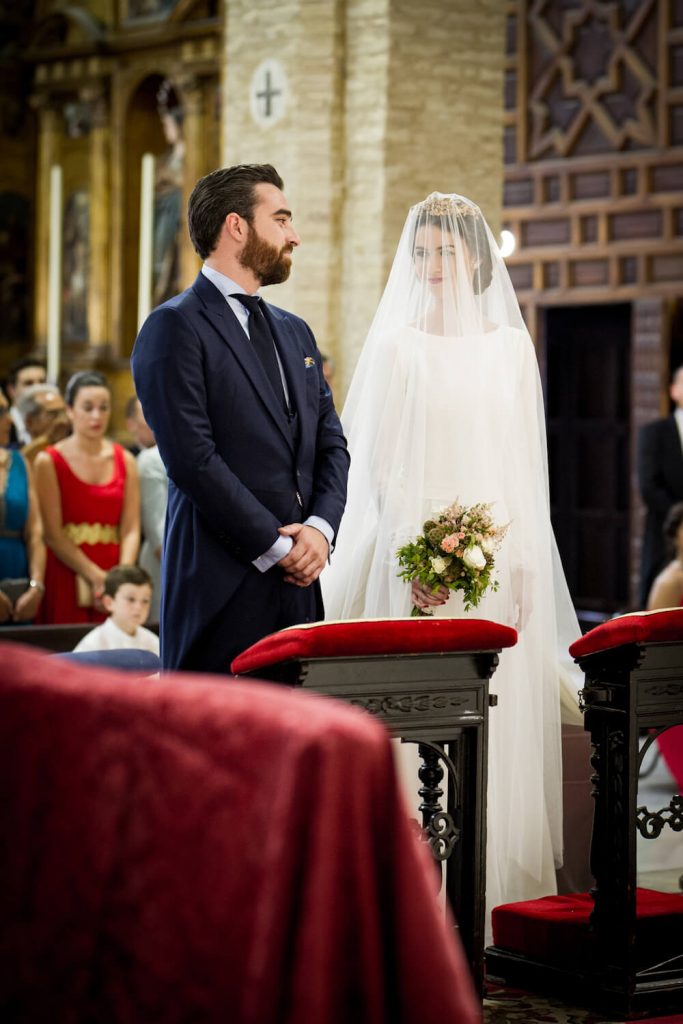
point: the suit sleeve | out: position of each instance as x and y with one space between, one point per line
169 375
655 493
332 459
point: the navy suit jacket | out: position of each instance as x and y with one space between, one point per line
235 474
660 476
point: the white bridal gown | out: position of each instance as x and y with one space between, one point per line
462 418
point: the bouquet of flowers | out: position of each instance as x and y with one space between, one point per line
456 549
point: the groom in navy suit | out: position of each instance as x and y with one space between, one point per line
257 462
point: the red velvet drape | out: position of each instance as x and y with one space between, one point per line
189 849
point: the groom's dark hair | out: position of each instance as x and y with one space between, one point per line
227 190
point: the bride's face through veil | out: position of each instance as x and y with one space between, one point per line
449 273
447 279
434 254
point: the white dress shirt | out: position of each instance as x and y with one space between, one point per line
678 416
23 436
109 637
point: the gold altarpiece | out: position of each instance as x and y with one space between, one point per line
113 80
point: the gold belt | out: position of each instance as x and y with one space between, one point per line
91 533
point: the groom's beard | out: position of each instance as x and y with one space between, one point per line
270 264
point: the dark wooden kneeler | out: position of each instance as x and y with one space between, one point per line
427 680
617 948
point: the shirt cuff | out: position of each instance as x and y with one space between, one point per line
324 527
281 547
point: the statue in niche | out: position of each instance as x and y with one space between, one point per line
75 274
148 8
168 197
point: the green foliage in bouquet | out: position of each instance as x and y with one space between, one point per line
456 549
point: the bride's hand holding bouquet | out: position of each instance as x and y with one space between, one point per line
455 551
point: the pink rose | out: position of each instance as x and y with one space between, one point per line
448 544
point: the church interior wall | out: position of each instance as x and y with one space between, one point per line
304 143
593 190
380 102
378 94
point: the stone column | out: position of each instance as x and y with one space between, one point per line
424 113
307 38
367 108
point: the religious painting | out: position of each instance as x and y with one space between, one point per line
75 267
14 246
168 197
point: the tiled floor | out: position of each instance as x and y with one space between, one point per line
510 1007
660 866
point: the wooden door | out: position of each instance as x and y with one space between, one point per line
588 350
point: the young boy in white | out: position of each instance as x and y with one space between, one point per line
127 598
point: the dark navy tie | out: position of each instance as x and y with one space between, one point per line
262 339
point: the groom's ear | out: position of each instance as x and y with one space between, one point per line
236 227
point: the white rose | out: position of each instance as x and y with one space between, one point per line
487 546
474 558
439 565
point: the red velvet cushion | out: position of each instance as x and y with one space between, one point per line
554 929
359 637
640 627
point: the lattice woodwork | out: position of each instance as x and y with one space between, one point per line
594 173
594 149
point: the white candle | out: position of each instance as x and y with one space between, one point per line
146 228
54 281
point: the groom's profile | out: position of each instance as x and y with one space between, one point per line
245 423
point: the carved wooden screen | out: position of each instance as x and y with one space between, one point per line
594 174
594 148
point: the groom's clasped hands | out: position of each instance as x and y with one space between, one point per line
308 555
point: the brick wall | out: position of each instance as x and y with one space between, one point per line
388 101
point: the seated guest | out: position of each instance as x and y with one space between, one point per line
137 427
153 501
44 413
22 375
127 597
90 505
667 589
22 550
328 368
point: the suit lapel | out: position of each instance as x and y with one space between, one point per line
222 318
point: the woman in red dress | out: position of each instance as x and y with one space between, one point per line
89 499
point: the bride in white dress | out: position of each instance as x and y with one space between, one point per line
446 403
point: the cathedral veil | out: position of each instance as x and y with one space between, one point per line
446 404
